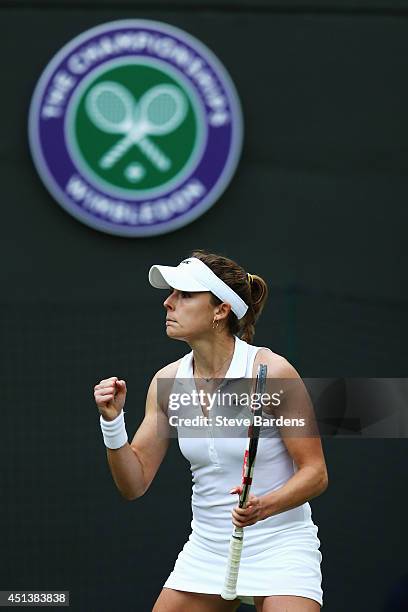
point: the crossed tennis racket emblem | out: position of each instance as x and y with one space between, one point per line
114 110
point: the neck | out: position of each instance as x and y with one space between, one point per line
212 357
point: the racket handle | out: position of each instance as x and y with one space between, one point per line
154 154
229 590
116 152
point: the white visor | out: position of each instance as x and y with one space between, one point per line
193 275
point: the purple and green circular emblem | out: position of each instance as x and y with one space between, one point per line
135 128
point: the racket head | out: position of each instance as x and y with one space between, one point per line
162 109
111 107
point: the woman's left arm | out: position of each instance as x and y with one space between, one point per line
310 479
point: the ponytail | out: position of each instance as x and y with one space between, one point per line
259 295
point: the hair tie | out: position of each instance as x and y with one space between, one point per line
250 278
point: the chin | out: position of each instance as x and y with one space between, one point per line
172 333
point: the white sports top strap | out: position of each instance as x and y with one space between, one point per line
252 352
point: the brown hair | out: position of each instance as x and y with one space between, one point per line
251 288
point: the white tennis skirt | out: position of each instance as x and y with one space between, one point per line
286 562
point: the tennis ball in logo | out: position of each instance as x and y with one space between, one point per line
134 126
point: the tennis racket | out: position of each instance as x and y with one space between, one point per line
114 110
229 590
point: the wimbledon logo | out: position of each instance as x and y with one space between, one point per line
135 128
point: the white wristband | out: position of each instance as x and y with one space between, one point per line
114 432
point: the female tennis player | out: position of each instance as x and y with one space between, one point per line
213 305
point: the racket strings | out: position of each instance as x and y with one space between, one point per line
111 107
161 110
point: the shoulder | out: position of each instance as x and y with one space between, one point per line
161 384
167 373
278 366
169 370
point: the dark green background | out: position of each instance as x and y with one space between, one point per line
318 207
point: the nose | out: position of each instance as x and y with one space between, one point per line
168 302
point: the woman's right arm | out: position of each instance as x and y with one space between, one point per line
133 466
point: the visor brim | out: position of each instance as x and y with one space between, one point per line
165 277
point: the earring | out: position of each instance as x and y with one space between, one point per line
215 323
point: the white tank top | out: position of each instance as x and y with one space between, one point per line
216 467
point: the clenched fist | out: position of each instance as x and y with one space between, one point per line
110 396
